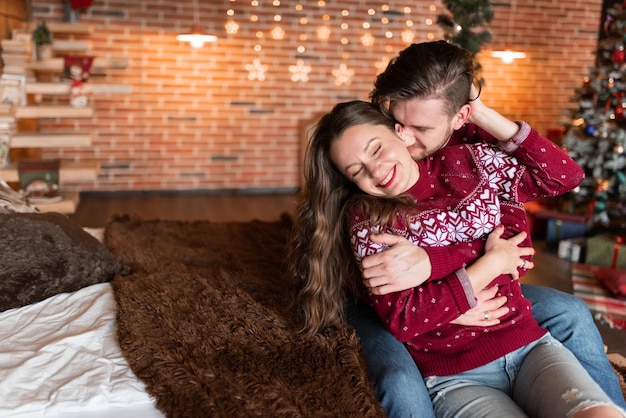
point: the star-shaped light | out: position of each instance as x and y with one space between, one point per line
278 33
231 27
300 72
381 65
343 75
367 39
407 36
323 33
256 70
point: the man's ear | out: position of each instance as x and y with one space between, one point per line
461 116
407 138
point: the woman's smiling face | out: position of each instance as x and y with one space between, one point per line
376 159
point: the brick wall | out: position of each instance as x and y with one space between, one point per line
194 119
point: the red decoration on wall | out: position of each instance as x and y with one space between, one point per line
80 4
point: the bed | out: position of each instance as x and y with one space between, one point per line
153 318
59 354
60 358
163 318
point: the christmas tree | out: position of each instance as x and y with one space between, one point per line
464 26
596 135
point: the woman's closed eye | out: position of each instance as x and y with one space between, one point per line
374 153
355 173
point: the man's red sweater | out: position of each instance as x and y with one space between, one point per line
464 192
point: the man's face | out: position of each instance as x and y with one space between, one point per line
425 120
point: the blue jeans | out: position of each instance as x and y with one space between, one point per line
542 379
568 319
398 382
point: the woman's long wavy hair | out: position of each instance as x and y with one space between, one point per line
321 259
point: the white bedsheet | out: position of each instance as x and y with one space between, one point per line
60 358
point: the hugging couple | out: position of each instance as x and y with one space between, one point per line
411 227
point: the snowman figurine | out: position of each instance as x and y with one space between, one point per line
78 98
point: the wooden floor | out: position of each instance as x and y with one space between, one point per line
95 209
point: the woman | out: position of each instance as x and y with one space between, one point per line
455 202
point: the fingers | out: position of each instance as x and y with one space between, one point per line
378 290
381 257
488 310
388 239
486 294
518 239
494 316
496 233
383 289
492 305
525 264
381 286
476 318
484 315
374 282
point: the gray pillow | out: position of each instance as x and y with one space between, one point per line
44 254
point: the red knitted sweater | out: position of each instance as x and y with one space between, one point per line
463 193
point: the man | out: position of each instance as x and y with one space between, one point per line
413 91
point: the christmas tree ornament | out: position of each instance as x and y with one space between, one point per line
607 25
619 55
619 109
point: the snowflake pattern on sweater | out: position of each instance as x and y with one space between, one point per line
464 192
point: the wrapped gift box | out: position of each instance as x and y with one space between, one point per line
608 250
561 228
547 222
601 301
572 249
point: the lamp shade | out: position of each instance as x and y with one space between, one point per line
508 56
196 38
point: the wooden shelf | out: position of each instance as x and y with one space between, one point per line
71 46
19 59
64 88
67 205
69 172
58 64
65 27
11 46
34 112
49 140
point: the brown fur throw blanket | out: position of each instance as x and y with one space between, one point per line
204 321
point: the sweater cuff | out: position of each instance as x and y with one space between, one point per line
441 264
463 291
521 135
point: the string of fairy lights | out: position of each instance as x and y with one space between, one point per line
308 24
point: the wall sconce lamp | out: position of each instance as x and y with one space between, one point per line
507 56
196 37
